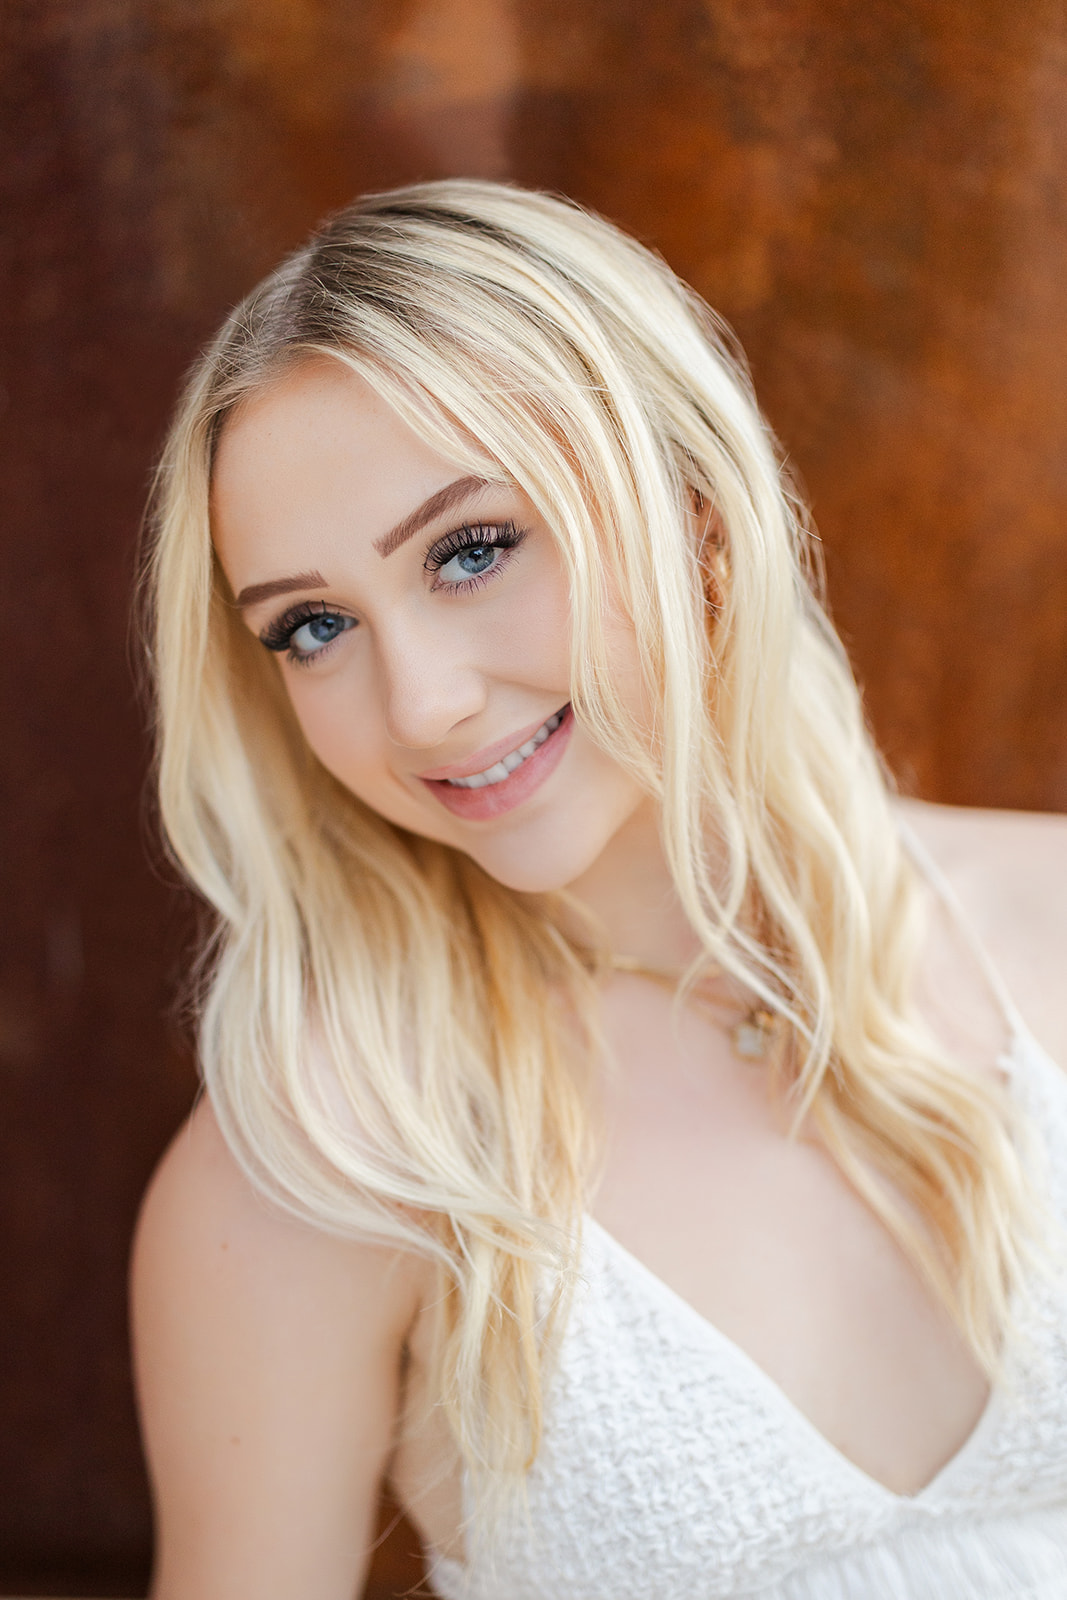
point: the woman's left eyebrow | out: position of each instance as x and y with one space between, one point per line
436 506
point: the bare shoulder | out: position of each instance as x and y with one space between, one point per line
268 1357
201 1202
1009 871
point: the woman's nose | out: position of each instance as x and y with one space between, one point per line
429 683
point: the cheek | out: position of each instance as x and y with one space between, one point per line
533 629
344 734
627 675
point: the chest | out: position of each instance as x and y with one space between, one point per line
764 1238
671 1465
671 1451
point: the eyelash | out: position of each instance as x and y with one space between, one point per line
278 635
505 536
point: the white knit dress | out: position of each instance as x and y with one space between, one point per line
673 1468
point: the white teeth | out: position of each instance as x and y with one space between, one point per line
505 767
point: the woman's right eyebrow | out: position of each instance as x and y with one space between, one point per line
256 592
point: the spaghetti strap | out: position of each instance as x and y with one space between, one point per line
935 877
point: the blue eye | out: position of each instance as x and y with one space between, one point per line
311 636
306 631
472 562
468 556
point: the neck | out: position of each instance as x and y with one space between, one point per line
630 896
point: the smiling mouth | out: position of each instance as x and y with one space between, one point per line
510 763
510 781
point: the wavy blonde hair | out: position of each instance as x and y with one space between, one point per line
374 1028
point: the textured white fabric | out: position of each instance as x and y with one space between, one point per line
673 1468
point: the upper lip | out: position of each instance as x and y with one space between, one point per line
487 757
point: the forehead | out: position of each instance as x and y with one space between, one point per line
315 457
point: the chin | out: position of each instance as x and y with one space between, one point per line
531 876
550 855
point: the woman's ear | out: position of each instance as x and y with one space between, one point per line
709 541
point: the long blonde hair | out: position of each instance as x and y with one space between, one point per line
382 1025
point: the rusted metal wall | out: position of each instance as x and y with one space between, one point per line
871 191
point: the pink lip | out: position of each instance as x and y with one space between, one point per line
493 801
483 759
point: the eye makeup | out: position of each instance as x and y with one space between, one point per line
479 552
476 541
279 634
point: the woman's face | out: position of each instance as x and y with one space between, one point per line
421 624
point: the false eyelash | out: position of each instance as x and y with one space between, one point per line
277 634
500 536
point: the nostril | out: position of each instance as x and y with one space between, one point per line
427 721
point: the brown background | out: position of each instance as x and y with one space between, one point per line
872 191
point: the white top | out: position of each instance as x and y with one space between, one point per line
673 1468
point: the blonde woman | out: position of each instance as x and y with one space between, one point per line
613 1133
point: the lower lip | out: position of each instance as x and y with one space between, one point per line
479 804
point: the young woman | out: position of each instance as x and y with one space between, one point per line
613 1133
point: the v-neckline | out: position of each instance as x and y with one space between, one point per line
1020 1045
1011 1062
760 1379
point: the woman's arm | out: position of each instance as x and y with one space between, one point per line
267 1359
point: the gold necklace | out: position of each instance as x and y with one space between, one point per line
752 1036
